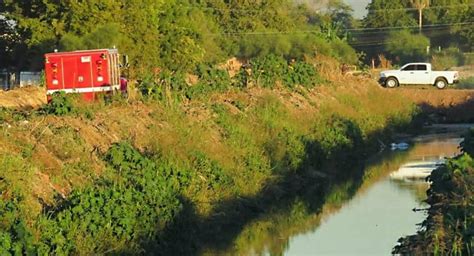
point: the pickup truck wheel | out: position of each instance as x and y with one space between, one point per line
441 83
391 82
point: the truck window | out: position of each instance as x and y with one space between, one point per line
409 68
421 67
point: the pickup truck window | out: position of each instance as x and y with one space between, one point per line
409 68
421 67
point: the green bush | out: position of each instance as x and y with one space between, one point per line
61 104
467 144
267 71
163 86
211 79
213 173
301 73
134 203
339 140
447 58
15 237
404 46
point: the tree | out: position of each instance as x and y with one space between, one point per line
175 34
458 14
388 13
105 36
44 25
404 46
7 43
341 13
420 5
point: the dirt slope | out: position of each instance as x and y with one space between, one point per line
445 105
23 98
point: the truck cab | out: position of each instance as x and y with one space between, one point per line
418 73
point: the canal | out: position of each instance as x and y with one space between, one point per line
370 220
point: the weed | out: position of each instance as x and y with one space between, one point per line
210 80
60 105
122 209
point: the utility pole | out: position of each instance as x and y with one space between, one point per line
420 5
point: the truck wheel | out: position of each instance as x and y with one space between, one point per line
391 82
441 83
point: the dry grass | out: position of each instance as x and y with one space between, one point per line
23 98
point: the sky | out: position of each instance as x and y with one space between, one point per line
359 7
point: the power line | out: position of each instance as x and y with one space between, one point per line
408 27
346 30
425 29
426 8
322 9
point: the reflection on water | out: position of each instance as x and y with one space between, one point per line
359 216
369 224
372 222
425 157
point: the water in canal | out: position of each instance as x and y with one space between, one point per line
372 219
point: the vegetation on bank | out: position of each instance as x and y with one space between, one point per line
138 176
449 227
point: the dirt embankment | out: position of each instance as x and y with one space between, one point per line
443 105
449 105
23 98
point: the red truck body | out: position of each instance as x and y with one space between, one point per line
89 72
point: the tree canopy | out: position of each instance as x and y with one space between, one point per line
404 46
446 23
178 34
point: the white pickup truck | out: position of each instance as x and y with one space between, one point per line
418 73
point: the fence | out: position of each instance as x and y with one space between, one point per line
9 80
29 78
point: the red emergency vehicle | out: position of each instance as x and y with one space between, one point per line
86 72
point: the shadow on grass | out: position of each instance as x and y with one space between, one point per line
190 234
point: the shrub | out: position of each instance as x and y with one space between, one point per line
135 202
447 58
407 47
467 144
266 71
211 79
212 172
339 139
162 86
15 237
61 104
301 73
